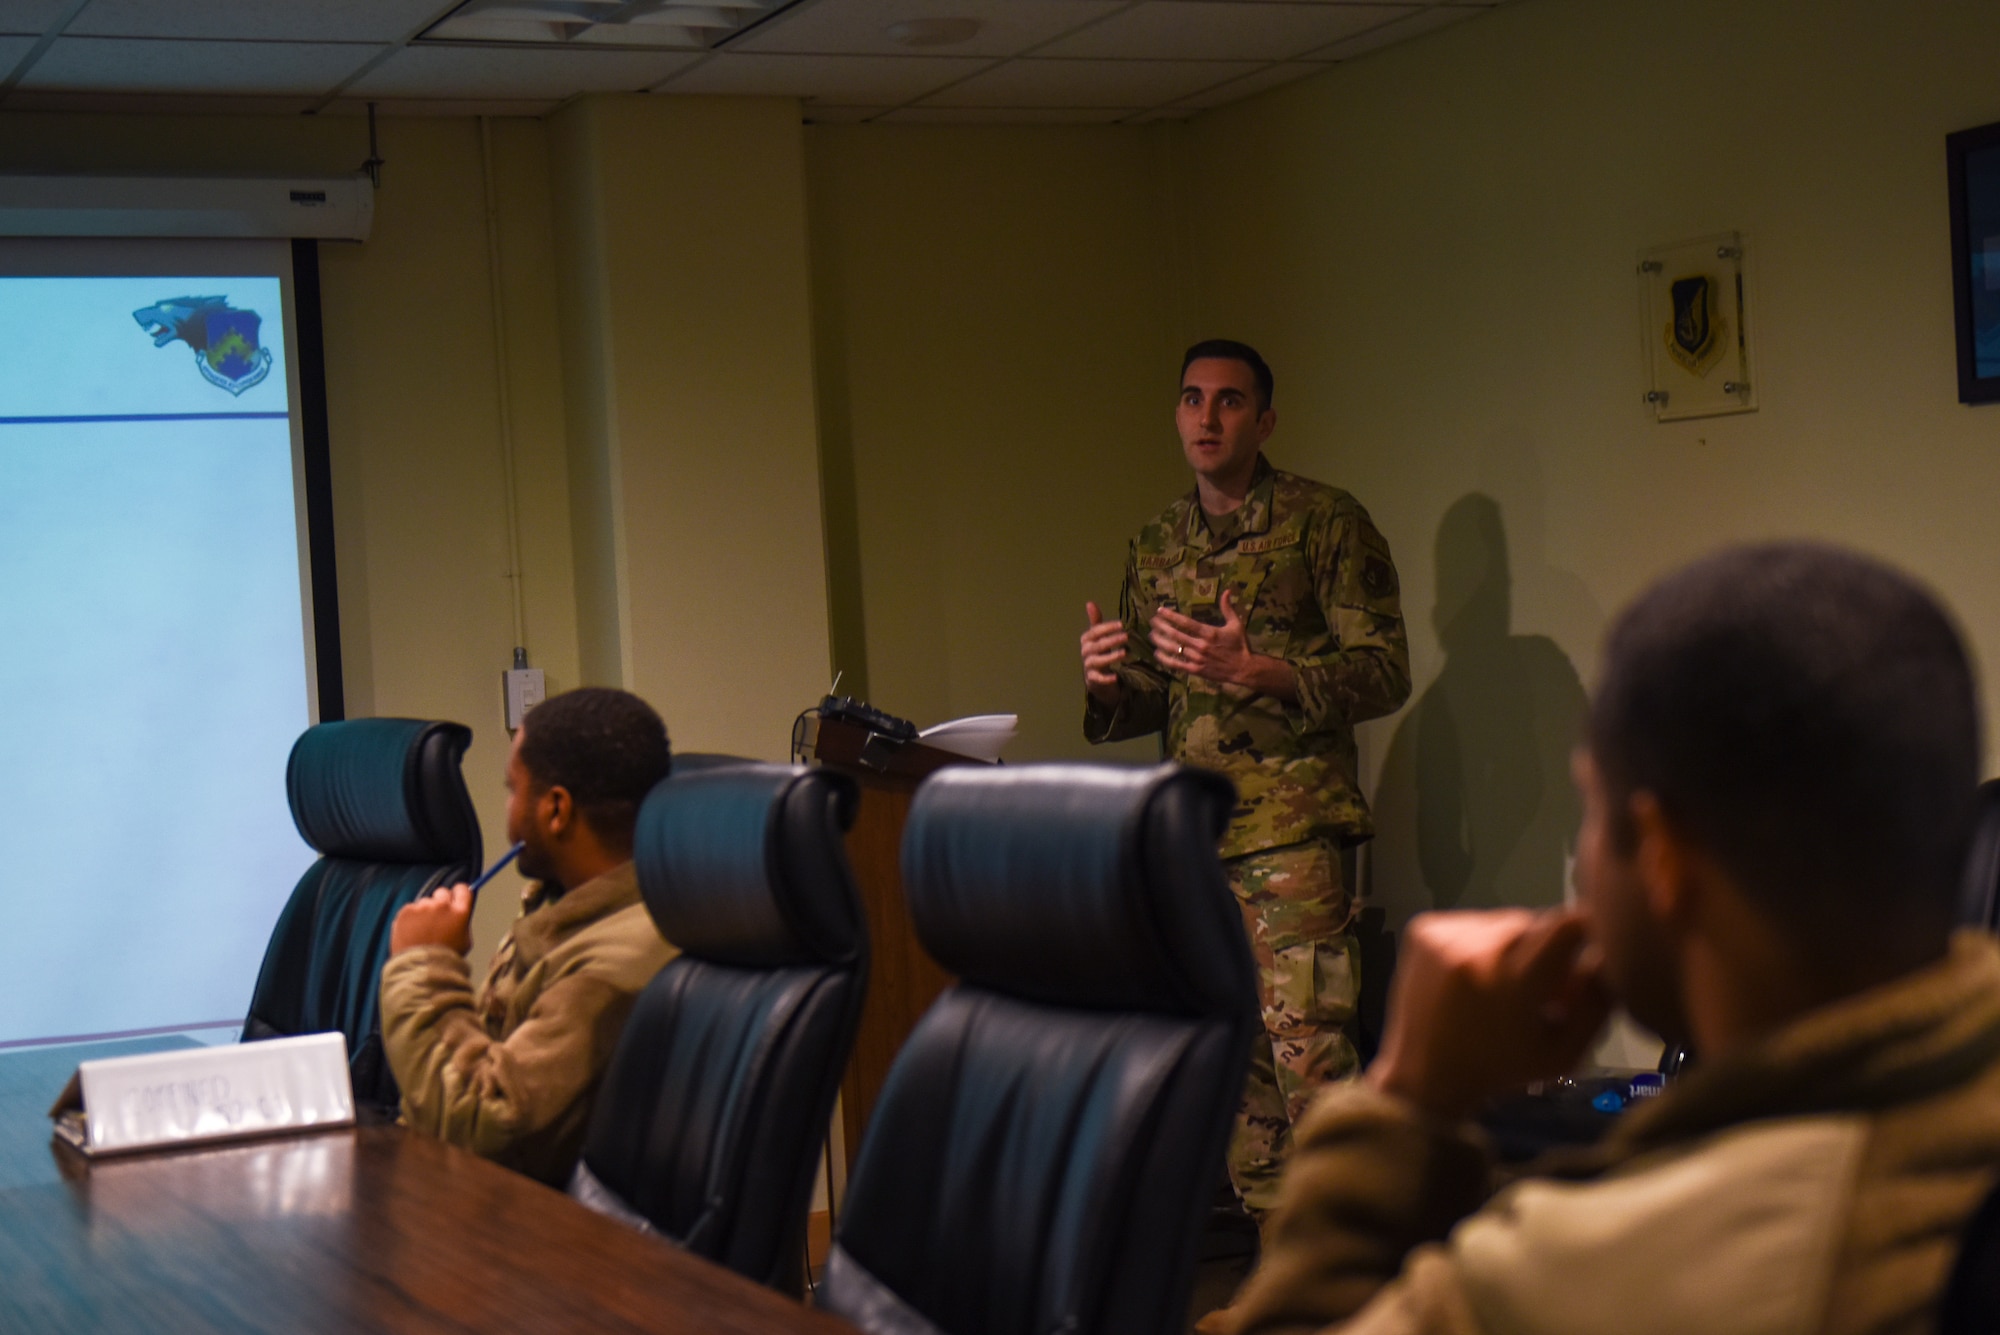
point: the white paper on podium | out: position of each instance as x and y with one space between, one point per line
203 1094
981 736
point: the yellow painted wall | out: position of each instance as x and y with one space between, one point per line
414 414
584 294
694 453
413 406
523 237
1435 246
997 345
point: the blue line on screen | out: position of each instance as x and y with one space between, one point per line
143 417
62 1040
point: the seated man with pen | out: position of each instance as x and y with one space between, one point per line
509 1071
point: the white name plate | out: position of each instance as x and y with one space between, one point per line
204 1094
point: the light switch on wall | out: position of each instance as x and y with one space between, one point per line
524 688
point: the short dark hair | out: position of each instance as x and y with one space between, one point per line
1230 350
1807 716
607 747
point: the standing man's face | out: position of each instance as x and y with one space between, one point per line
1221 426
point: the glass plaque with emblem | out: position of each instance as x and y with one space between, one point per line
1693 322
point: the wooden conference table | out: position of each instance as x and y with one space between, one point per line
365 1229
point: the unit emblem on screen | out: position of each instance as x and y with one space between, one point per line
226 350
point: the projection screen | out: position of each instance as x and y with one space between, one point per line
156 617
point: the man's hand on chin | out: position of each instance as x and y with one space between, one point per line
442 918
1485 1002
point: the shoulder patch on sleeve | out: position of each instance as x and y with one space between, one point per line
1378 577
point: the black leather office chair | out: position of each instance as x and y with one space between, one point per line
1971 1304
384 803
1044 1150
1979 899
708 1126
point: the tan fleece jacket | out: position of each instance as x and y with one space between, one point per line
1814 1184
510 1073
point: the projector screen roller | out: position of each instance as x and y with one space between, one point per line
157 637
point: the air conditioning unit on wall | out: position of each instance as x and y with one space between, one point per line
332 208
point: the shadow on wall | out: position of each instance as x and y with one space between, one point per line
1475 807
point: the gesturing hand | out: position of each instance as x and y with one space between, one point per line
442 918
1103 646
1487 1001
1216 653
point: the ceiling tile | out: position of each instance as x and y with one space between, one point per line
861 27
1089 83
11 51
1250 85
444 106
431 71
289 20
29 16
821 114
855 80
1008 115
95 102
139 66
1222 30
1388 34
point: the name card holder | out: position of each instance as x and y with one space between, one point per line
197 1095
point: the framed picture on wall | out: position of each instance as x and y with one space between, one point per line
1973 158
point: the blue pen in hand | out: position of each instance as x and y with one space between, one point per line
496 868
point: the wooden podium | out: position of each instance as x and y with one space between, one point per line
902 979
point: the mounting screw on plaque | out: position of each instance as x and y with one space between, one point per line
1736 387
1729 252
1656 396
1649 266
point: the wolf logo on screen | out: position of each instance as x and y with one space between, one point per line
226 350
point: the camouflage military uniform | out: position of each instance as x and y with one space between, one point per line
1313 581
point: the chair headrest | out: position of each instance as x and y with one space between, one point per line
1080 885
744 863
687 762
384 790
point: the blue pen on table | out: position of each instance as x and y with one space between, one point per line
497 868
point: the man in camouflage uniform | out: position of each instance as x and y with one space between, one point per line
1259 622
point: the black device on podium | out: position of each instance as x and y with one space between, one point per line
875 720
887 734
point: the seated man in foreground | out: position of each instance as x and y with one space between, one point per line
510 1072
1778 786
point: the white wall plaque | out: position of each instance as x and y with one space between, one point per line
1695 328
205 1094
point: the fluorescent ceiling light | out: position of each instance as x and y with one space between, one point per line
662 23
